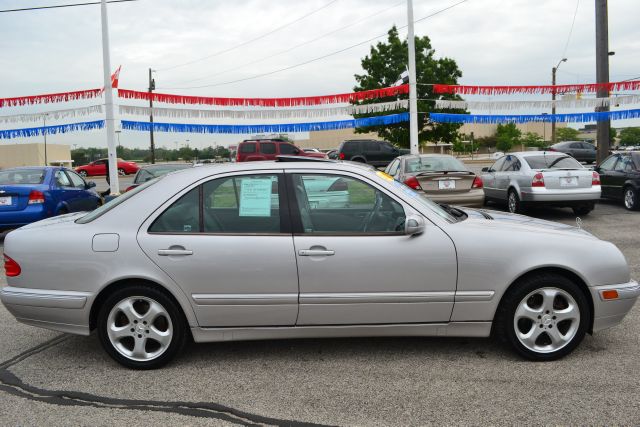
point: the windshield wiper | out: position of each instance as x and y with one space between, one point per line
455 212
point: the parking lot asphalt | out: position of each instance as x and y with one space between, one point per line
57 379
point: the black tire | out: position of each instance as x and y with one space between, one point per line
504 322
359 160
583 210
632 204
83 173
515 205
122 172
178 324
63 211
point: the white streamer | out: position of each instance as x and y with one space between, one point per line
187 113
512 105
52 115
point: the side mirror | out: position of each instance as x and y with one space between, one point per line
485 169
413 225
90 184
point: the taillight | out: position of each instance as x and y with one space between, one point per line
341 156
131 187
36 197
413 183
11 268
551 149
477 182
538 180
595 179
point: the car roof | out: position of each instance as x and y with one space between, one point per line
535 153
160 165
434 155
33 167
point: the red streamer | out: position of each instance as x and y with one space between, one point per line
50 98
266 102
505 90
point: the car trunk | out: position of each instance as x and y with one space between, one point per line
567 179
14 197
445 182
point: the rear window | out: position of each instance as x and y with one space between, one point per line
22 176
433 164
248 147
552 162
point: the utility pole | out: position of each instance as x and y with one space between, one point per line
44 132
152 86
602 75
413 92
114 185
553 98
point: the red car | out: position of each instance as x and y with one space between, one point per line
251 150
99 167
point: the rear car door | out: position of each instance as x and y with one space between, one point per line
356 265
576 150
227 243
268 150
373 153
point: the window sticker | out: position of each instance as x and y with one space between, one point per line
255 197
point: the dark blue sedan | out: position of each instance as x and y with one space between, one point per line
29 194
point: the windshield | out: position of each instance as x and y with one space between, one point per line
552 162
421 198
22 176
149 173
433 164
113 203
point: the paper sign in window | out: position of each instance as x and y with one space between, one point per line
255 197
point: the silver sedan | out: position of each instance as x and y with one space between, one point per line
242 252
541 178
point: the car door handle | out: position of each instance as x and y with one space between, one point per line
316 252
174 252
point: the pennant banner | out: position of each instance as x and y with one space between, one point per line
512 105
564 118
51 98
52 115
265 102
264 114
502 90
267 128
51 130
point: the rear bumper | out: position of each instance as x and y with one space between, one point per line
65 311
14 219
536 195
610 312
472 198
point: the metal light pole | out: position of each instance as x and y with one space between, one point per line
553 98
152 86
44 133
602 75
413 93
114 185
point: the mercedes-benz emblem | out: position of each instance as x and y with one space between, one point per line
579 222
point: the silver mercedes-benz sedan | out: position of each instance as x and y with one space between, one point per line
245 251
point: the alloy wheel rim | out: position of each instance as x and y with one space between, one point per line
546 320
139 328
629 197
512 203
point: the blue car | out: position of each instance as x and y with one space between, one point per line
29 194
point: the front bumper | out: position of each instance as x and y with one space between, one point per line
561 196
65 311
610 312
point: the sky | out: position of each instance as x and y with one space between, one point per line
514 42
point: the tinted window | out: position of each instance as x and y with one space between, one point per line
99 162
344 205
588 146
268 148
514 166
143 176
248 147
388 148
76 180
288 149
433 163
609 163
625 164
552 162
62 179
183 216
371 146
576 145
351 147
22 176
508 163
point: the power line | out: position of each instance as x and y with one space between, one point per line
320 57
293 47
61 6
250 40
566 46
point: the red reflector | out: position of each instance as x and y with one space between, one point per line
477 182
538 180
341 156
131 187
11 268
413 183
595 180
36 197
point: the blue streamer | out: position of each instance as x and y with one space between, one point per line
557 118
267 128
51 130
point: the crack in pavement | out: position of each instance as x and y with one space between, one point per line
11 384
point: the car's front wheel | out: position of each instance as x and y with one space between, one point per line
141 327
83 173
543 317
631 201
513 202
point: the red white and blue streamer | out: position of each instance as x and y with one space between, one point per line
51 130
529 118
507 90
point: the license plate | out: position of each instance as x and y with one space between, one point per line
448 184
5 201
569 181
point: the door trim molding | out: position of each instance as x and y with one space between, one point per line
245 299
376 297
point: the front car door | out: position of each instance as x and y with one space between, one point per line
607 176
489 179
355 263
503 178
85 199
227 243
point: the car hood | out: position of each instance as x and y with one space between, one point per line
505 220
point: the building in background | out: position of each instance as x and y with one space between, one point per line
14 155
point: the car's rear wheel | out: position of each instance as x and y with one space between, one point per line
583 210
543 317
513 202
140 327
83 173
631 199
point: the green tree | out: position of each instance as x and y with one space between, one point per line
630 136
612 134
383 66
531 139
487 141
567 134
507 135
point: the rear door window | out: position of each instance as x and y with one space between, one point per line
371 146
183 216
268 148
248 147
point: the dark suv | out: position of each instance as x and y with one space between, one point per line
371 151
581 151
251 150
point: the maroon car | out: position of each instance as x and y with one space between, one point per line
251 150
